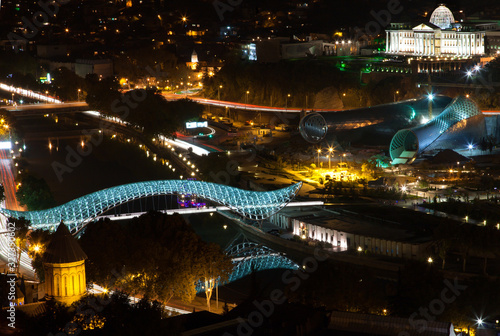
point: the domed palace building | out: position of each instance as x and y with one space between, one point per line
64 266
441 37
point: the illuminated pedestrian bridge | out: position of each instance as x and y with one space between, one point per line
79 212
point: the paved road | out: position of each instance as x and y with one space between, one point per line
7 174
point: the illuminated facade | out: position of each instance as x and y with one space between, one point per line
78 212
64 267
342 232
440 37
460 124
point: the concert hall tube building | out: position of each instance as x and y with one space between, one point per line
376 125
459 125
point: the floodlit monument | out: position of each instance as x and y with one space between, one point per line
64 267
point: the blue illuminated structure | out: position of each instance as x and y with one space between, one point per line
251 257
375 124
79 212
460 124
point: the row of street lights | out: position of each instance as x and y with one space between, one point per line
248 92
330 155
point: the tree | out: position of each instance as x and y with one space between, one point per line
465 242
66 84
215 268
38 240
34 193
2 193
103 95
134 64
158 116
445 236
485 243
164 256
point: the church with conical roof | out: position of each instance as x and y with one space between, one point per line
64 266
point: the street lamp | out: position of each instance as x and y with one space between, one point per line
79 90
395 93
246 99
319 152
329 156
430 97
286 102
218 92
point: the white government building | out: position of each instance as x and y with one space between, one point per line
441 37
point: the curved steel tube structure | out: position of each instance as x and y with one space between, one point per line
460 124
251 257
78 212
363 123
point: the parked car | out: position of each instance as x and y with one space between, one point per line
274 232
282 127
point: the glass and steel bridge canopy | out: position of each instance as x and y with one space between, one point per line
78 212
251 257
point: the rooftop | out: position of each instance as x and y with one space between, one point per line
63 248
372 220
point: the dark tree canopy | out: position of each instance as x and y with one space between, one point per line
159 116
34 193
102 94
156 255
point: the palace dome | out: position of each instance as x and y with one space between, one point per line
442 17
